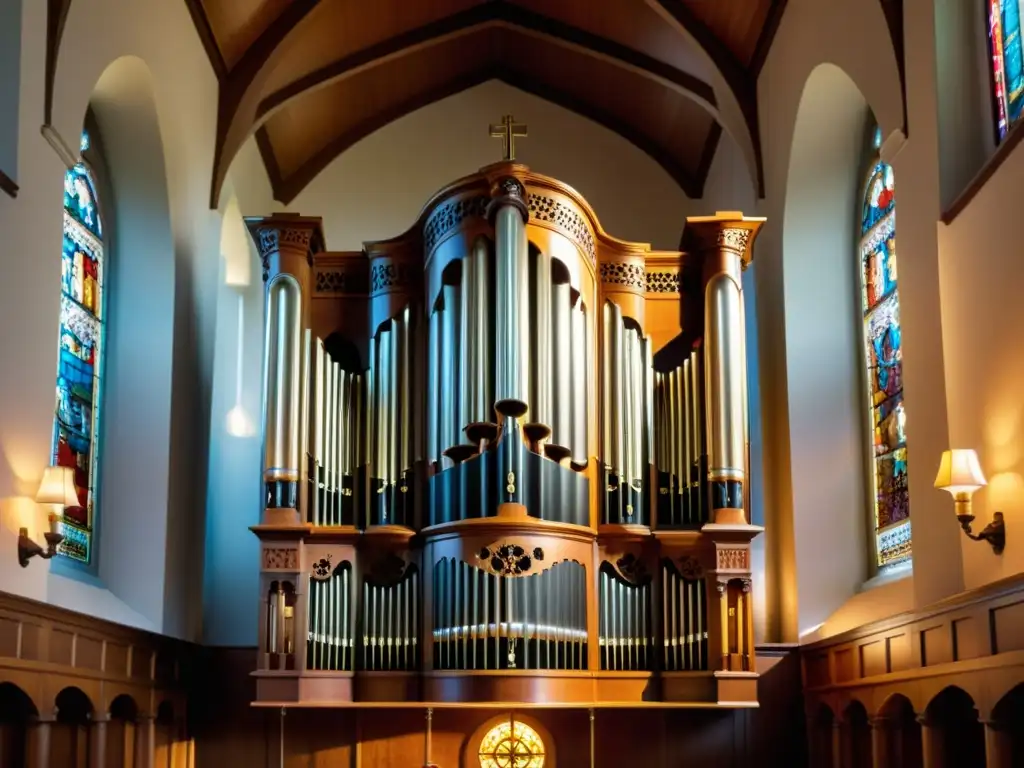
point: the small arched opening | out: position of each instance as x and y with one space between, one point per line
16 710
121 731
1008 721
856 736
69 736
954 719
822 726
902 732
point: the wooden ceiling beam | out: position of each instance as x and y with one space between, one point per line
739 80
767 37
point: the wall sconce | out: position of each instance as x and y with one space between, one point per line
57 488
961 475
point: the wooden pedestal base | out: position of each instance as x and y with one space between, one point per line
737 688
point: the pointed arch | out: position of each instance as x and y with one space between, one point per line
883 350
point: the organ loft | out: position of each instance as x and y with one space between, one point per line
505 459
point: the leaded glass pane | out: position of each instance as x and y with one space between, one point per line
1004 22
512 745
79 362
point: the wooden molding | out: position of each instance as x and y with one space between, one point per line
1003 151
8 185
767 37
206 37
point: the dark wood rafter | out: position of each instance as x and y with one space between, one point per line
56 16
767 37
287 188
496 13
245 72
893 11
8 185
207 38
739 80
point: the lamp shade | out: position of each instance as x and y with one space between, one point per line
58 487
959 472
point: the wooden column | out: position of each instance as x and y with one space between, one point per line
881 730
998 745
838 753
287 244
37 743
98 740
145 741
932 749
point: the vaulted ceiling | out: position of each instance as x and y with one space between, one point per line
312 77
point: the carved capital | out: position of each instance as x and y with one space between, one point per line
282 233
734 240
746 586
733 559
509 191
280 559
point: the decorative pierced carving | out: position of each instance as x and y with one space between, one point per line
618 273
280 559
736 239
510 559
273 239
451 215
662 282
632 568
322 567
548 209
389 275
341 280
690 568
733 559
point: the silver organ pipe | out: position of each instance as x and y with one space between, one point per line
625 631
448 391
390 614
467 343
680 453
483 406
433 385
580 382
562 363
511 282
488 621
685 621
540 340
628 411
331 638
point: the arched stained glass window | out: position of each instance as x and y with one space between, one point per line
80 354
1004 18
512 744
880 305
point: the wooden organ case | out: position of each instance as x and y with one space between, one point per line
505 458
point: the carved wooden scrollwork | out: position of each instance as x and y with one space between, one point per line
451 215
510 559
662 282
388 569
733 559
280 559
619 273
690 568
543 208
632 569
322 567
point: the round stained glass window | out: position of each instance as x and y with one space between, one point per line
512 745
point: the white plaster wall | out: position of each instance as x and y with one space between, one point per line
377 188
167 560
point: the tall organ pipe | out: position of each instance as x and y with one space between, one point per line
540 364
615 389
385 417
579 382
562 360
319 415
483 407
467 346
405 423
433 385
512 310
282 372
449 374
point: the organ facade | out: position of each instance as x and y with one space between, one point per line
505 458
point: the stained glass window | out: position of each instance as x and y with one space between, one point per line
512 744
79 355
1007 61
880 304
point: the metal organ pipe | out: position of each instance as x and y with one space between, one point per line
579 382
433 385
512 310
282 381
540 337
483 404
467 344
447 420
562 361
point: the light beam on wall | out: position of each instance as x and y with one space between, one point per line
239 422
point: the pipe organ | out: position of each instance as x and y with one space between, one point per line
505 458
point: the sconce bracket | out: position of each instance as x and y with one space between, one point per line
27 549
994 533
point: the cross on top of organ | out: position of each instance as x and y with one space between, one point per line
505 457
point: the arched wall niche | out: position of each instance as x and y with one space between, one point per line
869 77
471 747
132 516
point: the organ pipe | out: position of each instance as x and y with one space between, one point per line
540 343
562 362
483 403
512 372
580 382
433 386
282 387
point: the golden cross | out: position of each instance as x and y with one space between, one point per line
508 130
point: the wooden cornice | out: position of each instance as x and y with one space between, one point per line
8 185
739 80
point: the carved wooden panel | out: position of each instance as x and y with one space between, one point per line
280 559
872 659
1008 624
936 645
